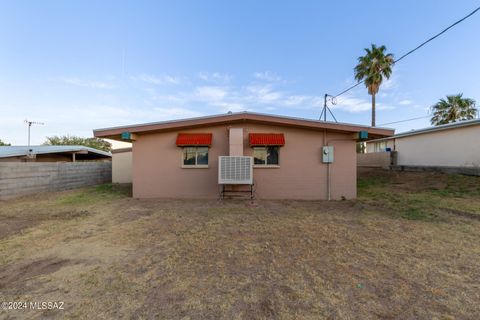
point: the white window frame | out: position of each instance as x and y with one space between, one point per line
194 166
266 165
380 146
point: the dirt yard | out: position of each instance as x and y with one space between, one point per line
408 248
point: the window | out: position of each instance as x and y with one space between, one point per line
380 146
195 156
266 156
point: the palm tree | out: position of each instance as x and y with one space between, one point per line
454 109
372 68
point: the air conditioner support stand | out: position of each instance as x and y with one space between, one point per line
233 193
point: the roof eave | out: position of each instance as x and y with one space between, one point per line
114 133
449 126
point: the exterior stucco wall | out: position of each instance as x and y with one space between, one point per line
122 167
158 173
455 147
458 147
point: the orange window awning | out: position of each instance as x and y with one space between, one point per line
194 139
267 139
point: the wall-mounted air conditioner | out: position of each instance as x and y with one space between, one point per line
235 170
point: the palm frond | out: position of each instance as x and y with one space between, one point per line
452 109
373 67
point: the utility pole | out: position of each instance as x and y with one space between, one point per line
325 107
29 123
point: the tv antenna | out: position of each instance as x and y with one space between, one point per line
30 125
333 100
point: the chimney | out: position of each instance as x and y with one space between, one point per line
236 142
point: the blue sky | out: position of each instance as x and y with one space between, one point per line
81 65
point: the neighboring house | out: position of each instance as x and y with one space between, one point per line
122 165
180 159
450 145
51 154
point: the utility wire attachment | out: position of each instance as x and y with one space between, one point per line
333 100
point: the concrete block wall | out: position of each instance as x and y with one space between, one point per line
24 178
375 159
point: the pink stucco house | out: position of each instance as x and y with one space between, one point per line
289 158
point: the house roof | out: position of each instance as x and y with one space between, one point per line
448 126
16 151
115 132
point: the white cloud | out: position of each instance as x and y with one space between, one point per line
170 98
171 79
210 93
148 79
157 80
90 84
59 122
165 113
215 77
252 97
267 76
295 100
222 98
405 102
389 83
351 103
264 94
381 106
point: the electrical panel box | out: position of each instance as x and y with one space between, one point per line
327 154
126 135
363 135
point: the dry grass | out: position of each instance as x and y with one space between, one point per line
421 196
409 248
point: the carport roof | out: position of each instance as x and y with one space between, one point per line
115 132
15 151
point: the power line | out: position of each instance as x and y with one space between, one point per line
439 34
416 48
383 124
350 88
